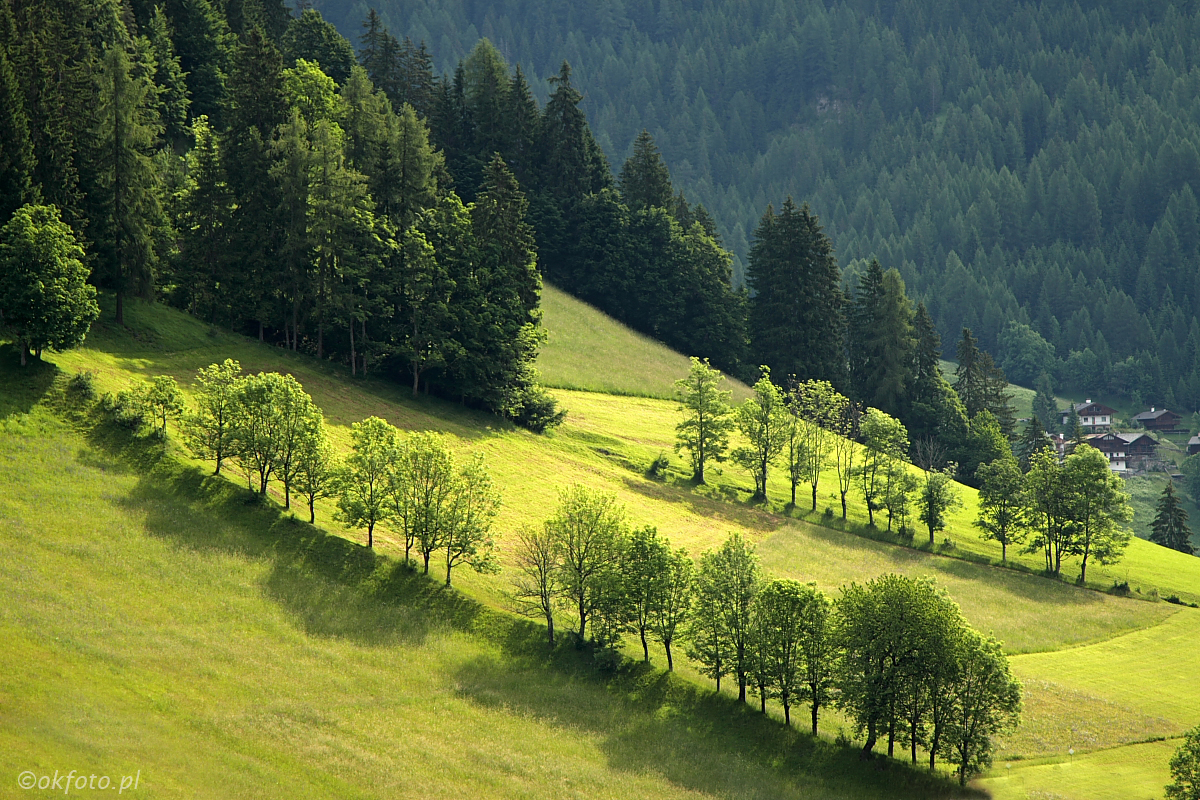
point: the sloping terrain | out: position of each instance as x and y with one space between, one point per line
139 587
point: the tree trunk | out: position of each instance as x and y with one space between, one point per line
371 535
1003 552
793 494
670 663
869 745
426 555
742 686
645 646
364 346
814 715
449 565
814 488
550 626
416 378
312 511
320 338
24 352
287 488
582 621
843 506
787 713
353 355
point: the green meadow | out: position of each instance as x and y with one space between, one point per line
146 605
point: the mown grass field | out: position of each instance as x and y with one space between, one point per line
607 442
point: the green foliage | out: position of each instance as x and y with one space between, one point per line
589 527
1191 475
45 300
763 422
1185 769
936 497
985 700
363 485
474 503
704 431
1002 513
537 570
727 582
880 340
1045 407
819 405
163 400
645 180
1024 355
885 445
1170 526
796 314
310 38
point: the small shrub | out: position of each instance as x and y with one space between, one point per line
842 739
905 533
536 410
828 515
82 386
125 410
658 467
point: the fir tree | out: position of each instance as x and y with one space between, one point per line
16 147
1170 526
881 341
645 181
796 308
311 38
126 215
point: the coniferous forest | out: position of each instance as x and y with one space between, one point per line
1031 169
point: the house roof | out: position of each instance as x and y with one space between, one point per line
1097 408
1194 441
1153 414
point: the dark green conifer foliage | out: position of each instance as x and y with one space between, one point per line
125 213
310 37
16 147
522 122
486 84
645 181
1170 526
256 108
881 342
1045 407
796 307
202 41
203 225
169 77
1033 441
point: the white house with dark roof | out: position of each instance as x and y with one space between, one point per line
1093 417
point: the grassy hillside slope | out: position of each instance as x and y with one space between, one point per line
587 349
607 442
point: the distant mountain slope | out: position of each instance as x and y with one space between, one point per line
1036 162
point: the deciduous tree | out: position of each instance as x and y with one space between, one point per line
763 421
363 485
704 430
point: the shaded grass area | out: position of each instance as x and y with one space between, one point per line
586 349
157 618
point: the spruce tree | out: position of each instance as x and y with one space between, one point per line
796 308
881 341
1170 526
204 229
311 38
522 121
16 147
1045 408
202 40
126 215
1033 440
171 80
645 181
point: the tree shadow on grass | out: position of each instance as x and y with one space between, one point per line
649 721
749 516
21 388
329 586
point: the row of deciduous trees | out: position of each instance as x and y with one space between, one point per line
807 430
271 429
895 654
1068 508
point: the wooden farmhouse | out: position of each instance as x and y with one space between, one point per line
1093 417
1158 419
1193 445
1126 452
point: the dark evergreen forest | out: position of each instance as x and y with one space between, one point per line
1030 168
